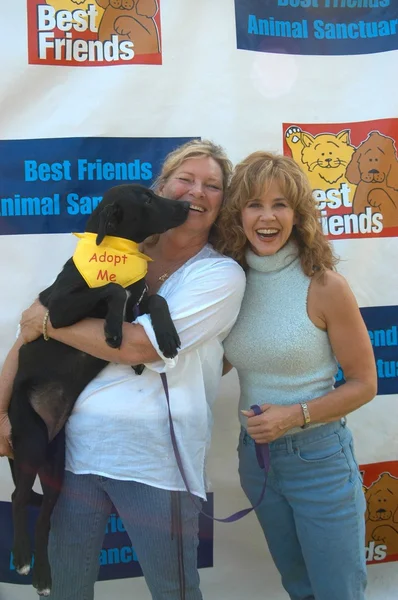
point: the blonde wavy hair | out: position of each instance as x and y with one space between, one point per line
250 179
193 149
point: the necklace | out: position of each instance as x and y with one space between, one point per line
173 267
163 277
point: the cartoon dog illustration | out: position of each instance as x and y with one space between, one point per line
323 157
130 20
374 169
382 512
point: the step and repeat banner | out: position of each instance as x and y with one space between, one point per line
96 93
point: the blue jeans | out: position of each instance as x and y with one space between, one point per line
78 527
313 510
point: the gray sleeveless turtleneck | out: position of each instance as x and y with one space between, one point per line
280 355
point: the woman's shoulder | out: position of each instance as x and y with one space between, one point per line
212 256
329 280
213 263
330 286
329 296
208 251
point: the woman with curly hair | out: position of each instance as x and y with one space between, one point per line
298 318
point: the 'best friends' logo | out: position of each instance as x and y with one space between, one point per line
381 516
94 32
353 170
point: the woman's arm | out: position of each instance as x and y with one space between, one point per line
203 306
351 345
88 336
7 377
335 309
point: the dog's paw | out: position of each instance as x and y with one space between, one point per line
122 25
22 559
24 570
383 533
41 578
169 343
114 341
113 337
44 592
138 369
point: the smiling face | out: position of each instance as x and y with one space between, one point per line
268 220
200 182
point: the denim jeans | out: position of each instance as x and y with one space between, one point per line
78 527
313 510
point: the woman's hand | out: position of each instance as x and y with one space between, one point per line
5 436
32 322
274 421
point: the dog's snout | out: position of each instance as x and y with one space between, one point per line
186 205
373 171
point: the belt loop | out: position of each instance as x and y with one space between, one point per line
343 421
289 444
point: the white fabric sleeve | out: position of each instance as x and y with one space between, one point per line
203 305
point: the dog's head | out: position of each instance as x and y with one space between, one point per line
382 499
135 212
374 161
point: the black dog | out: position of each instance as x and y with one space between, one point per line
51 375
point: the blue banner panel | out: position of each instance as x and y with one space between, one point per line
117 558
382 325
323 27
52 185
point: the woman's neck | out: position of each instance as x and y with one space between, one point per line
273 263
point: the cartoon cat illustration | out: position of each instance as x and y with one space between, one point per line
72 5
323 157
67 4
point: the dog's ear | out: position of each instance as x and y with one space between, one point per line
109 218
392 174
393 484
147 8
353 172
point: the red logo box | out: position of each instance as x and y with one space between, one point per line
353 170
90 33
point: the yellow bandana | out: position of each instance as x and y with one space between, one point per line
115 260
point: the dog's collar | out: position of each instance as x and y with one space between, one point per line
116 243
115 260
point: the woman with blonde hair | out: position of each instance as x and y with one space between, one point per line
298 318
118 444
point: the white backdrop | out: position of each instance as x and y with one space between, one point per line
207 88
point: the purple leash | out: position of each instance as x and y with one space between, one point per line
262 453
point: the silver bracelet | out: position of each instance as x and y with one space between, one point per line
306 414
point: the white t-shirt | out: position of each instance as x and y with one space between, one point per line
119 426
